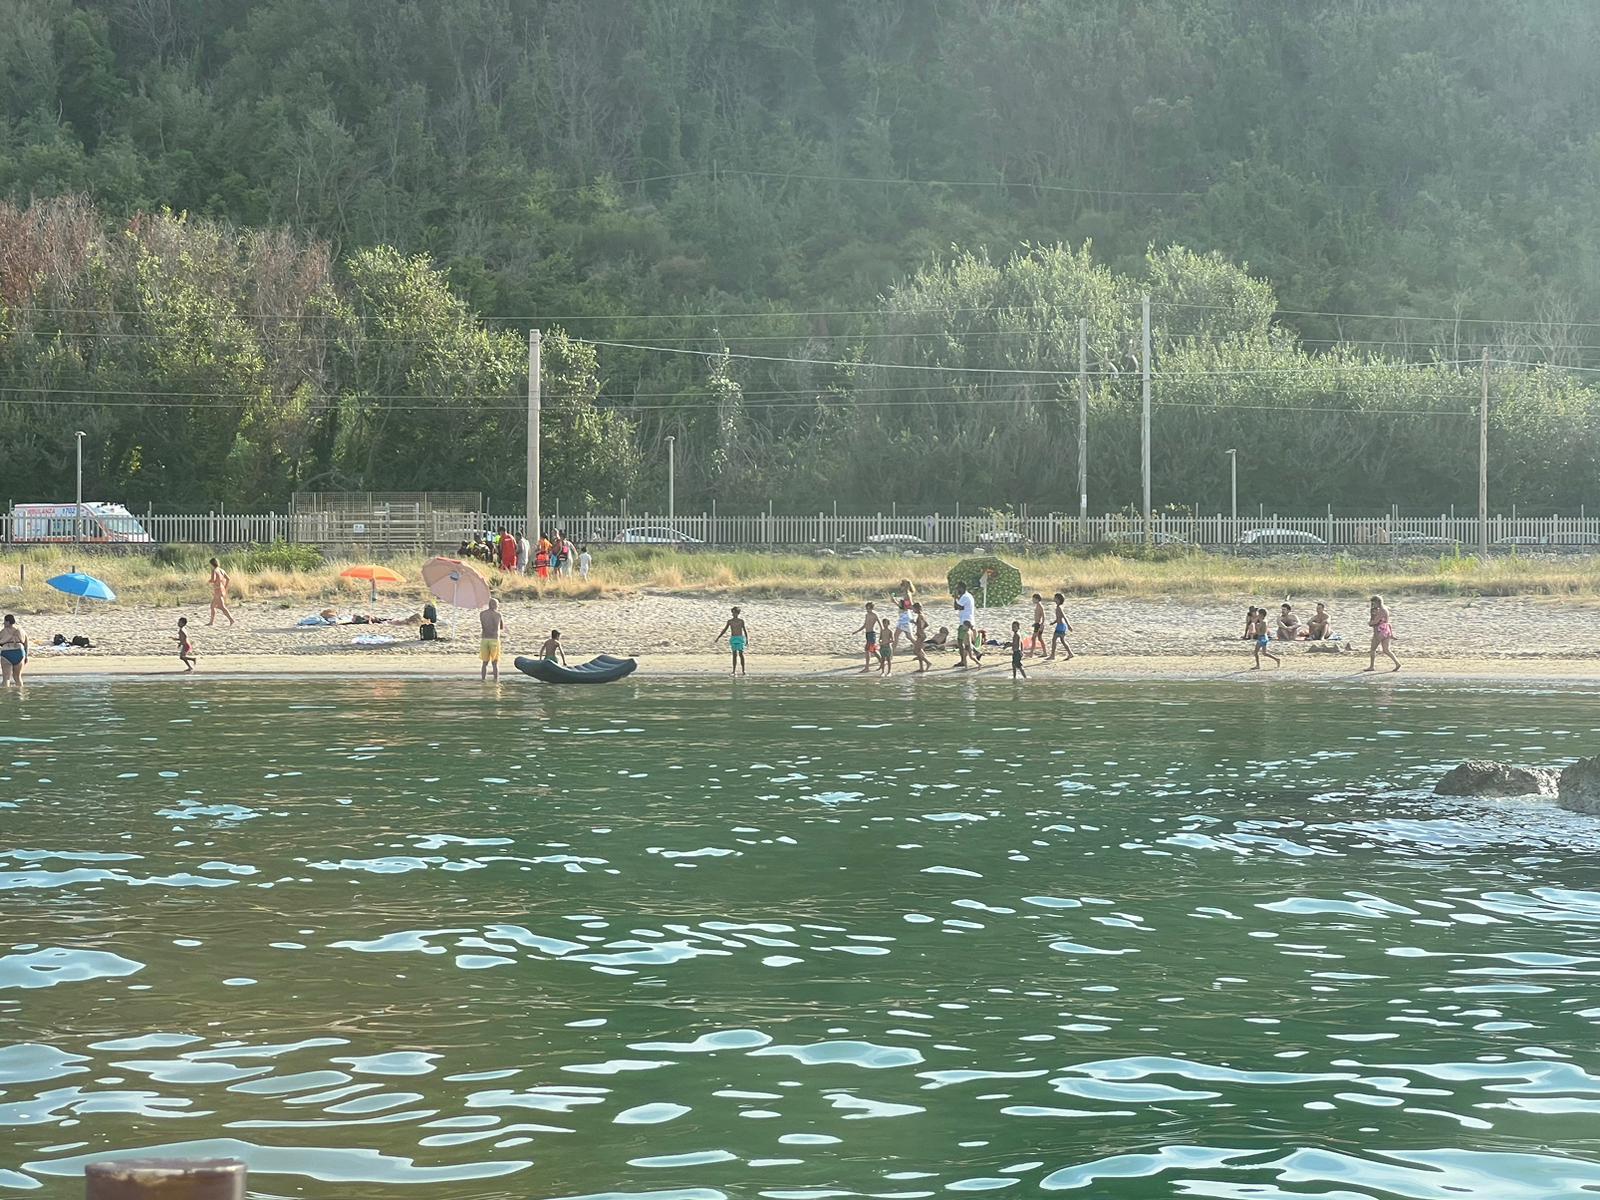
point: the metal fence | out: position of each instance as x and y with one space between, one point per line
878 530
1053 529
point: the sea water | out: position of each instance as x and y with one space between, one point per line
795 940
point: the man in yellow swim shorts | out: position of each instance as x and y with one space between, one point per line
489 648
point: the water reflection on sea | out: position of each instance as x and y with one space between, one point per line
695 940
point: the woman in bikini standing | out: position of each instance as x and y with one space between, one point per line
13 651
919 636
1382 634
903 621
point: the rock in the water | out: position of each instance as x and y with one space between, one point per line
1476 777
1580 786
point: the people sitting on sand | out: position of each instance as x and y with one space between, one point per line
1318 628
940 640
1288 624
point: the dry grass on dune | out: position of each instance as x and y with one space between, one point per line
177 576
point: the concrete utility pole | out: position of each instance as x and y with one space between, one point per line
534 520
1144 424
1483 461
1083 421
77 508
1233 474
672 471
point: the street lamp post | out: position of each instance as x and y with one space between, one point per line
672 464
1233 473
77 507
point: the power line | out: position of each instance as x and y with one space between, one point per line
1024 371
550 319
219 400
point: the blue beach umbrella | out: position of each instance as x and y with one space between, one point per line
85 587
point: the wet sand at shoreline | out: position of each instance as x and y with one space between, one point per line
1496 638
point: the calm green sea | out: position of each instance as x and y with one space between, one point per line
690 941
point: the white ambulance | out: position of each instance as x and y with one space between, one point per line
101 523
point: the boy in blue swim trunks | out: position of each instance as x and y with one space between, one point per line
1061 628
738 635
1262 641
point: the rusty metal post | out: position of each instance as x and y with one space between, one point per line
166 1179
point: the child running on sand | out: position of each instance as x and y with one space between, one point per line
1038 623
1382 634
885 647
185 647
1016 650
869 627
1058 636
1263 640
738 633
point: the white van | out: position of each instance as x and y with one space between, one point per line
101 523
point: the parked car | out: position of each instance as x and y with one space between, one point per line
657 535
999 537
1134 537
98 523
1279 537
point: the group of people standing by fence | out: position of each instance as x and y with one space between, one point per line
553 554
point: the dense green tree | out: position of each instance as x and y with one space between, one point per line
803 169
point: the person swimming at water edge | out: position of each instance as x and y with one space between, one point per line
738 637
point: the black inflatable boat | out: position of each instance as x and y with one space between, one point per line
605 669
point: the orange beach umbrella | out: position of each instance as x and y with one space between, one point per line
373 575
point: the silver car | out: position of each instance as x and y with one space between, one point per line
1279 537
657 535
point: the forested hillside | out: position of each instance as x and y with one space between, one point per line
255 246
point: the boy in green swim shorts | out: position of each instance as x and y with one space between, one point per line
738 635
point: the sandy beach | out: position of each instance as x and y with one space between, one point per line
1497 638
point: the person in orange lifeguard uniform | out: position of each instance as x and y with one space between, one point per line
541 560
